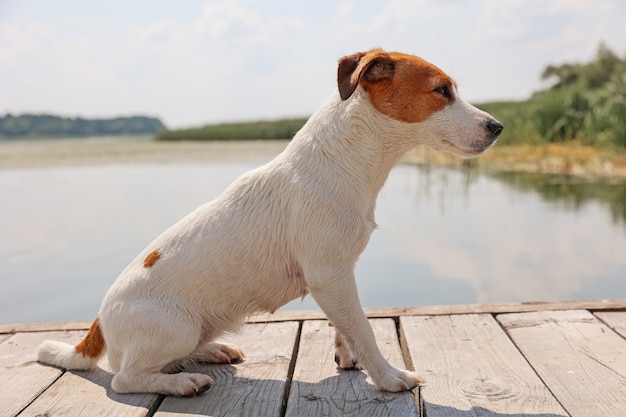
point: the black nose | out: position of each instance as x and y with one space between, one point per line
494 127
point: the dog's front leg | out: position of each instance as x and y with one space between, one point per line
336 294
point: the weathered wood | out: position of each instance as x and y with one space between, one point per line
596 305
472 369
320 389
615 319
44 327
253 388
85 393
580 359
22 379
387 312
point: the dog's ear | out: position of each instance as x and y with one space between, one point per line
371 67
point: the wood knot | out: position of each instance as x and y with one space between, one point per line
495 390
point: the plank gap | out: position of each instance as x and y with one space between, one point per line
614 320
155 406
63 371
290 371
530 364
577 356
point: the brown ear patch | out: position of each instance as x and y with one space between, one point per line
151 259
371 66
345 81
93 343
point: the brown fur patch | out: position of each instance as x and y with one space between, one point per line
92 344
409 95
151 259
400 86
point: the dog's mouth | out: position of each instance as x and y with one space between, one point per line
473 149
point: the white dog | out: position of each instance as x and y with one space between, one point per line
294 226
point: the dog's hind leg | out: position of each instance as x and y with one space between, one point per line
141 380
216 352
149 345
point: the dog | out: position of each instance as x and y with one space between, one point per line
294 226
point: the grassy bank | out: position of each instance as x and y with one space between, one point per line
553 158
130 150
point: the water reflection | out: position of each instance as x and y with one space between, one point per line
446 235
571 192
473 237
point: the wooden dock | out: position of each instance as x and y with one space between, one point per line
564 359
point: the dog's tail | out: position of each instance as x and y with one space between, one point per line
83 356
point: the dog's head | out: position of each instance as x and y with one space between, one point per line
410 90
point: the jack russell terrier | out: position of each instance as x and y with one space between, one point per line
294 226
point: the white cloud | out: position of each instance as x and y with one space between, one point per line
160 32
220 17
238 59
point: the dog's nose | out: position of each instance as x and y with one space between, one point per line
494 127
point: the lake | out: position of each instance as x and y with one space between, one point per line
73 214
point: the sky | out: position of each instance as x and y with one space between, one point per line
195 62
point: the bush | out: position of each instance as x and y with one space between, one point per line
586 103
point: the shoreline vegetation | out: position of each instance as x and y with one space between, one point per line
572 159
577 126
556 158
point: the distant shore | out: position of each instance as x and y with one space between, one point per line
567 159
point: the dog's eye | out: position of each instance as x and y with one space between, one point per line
444 91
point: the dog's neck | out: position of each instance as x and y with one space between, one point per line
364 143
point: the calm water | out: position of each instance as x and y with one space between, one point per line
446 236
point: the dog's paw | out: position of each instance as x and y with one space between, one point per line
398 380
344 357
346 362
189 385
215 352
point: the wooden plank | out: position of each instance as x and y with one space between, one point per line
22 379
320 389
44 327
86 393
596 305
253 388
615 319
473 369
580 359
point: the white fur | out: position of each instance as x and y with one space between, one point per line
62 354
294 226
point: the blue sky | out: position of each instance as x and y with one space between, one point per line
199 61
